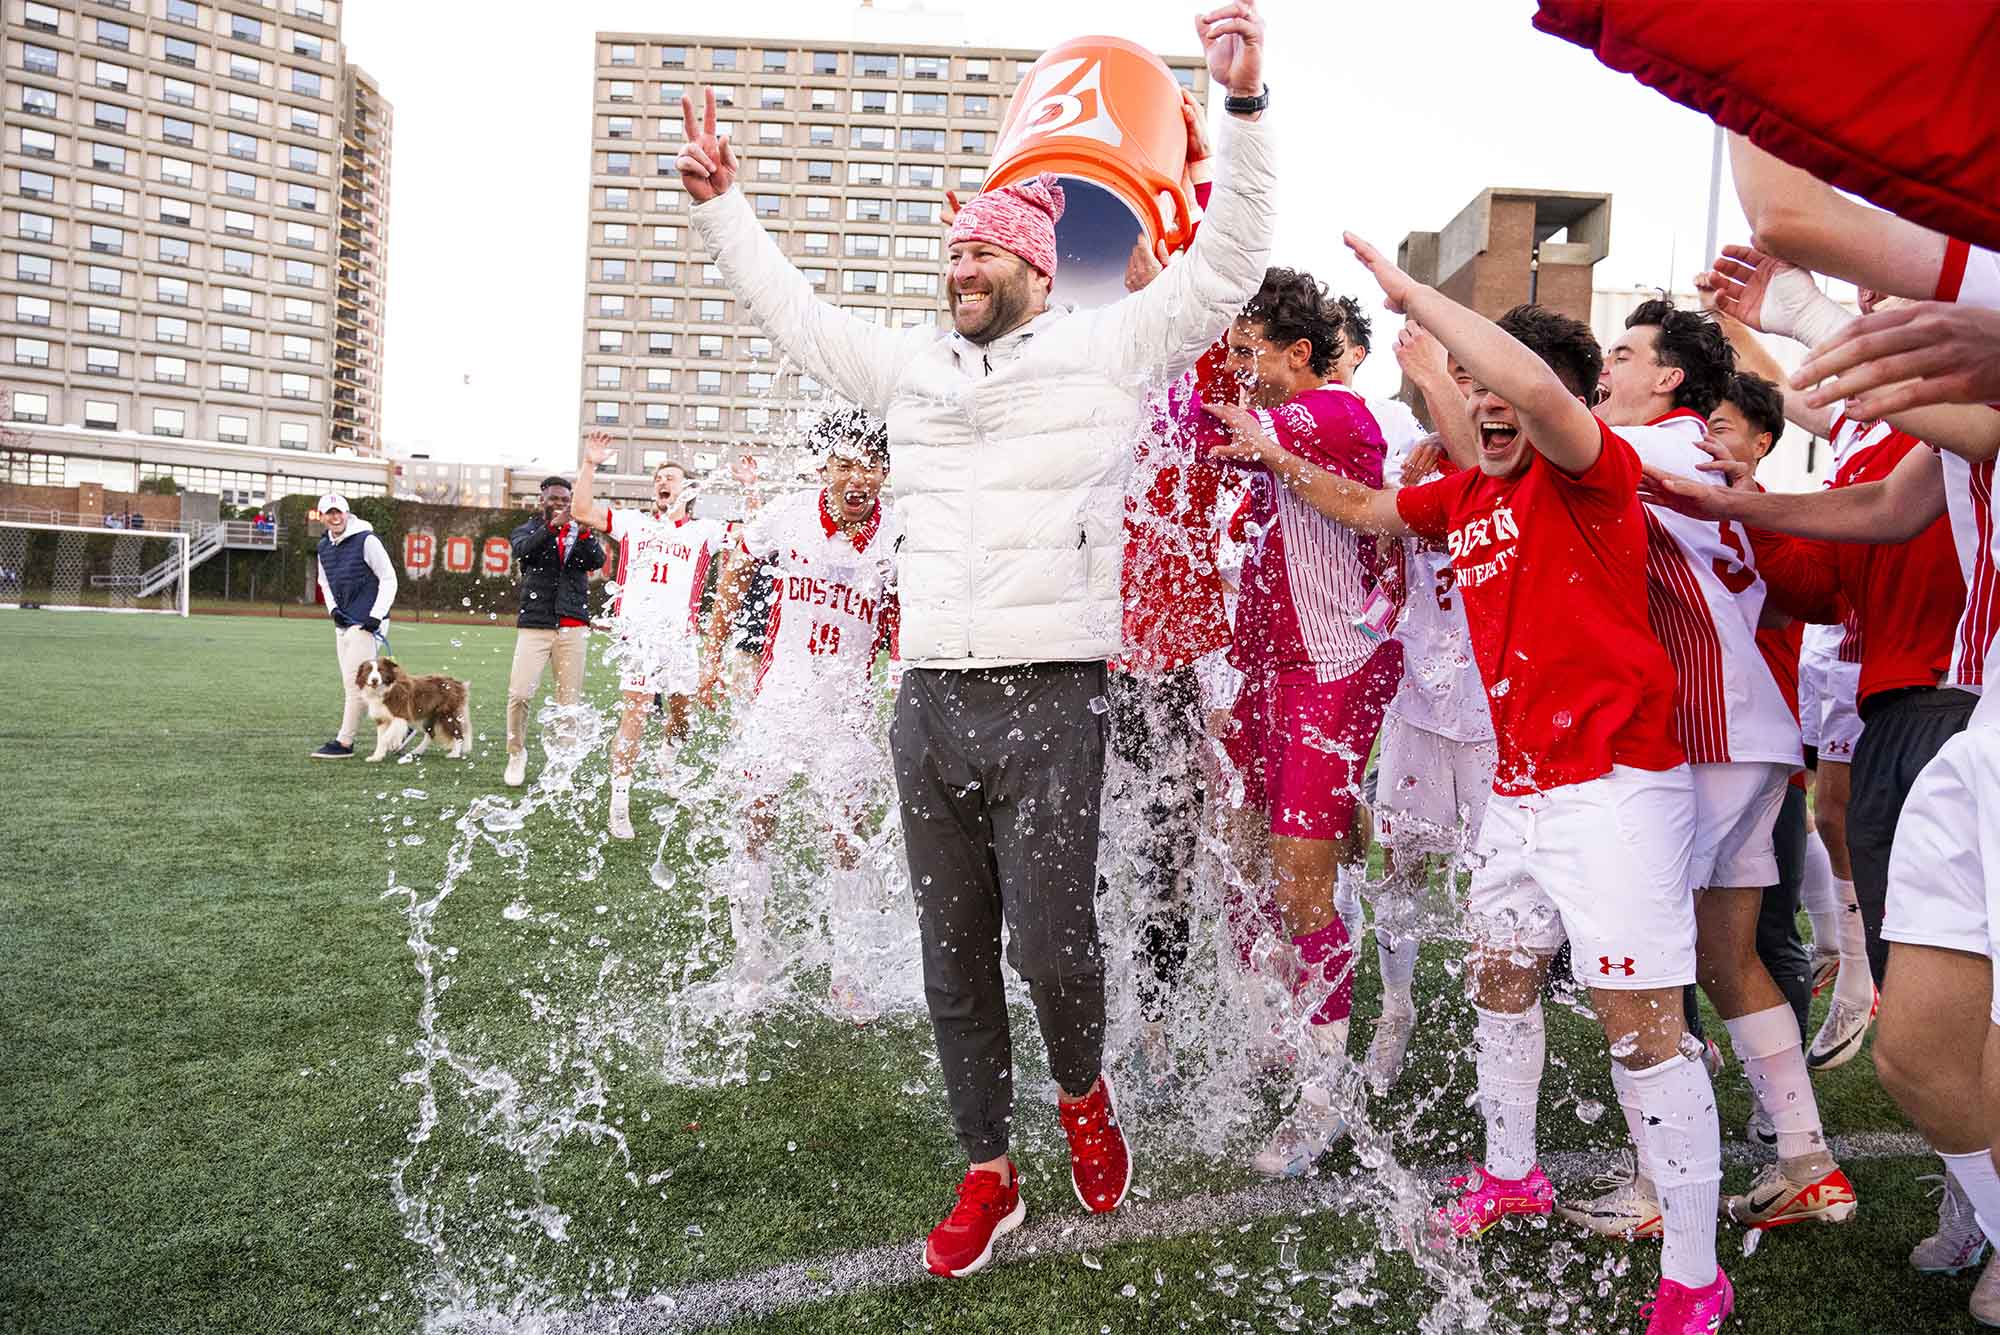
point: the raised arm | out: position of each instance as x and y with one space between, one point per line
1796 216
1428 366
1360 507
1738 314
1170 322
583 502
858 359
1558 423
1895 509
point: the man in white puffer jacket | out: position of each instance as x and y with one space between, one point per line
1012 437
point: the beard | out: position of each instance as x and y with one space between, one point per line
1007 309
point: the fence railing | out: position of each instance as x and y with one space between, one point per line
237 533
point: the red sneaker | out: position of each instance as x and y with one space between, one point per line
1100 1162
986 1209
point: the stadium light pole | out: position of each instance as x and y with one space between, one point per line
1714 198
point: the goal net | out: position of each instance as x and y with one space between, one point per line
74 568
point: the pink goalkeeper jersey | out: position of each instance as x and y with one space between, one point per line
1705 599
1305 578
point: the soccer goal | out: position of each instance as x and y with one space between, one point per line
75 568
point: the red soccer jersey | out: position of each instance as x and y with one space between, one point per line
1553 572
1906 597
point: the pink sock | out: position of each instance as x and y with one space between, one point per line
1326 959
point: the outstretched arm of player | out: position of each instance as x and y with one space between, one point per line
1795 215
1895 509
1560 425
1933 353
583 502
1428 366
1738 309
1343 500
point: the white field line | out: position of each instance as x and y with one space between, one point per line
1066 1232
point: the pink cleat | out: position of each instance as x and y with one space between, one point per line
1484 1200
1680 1310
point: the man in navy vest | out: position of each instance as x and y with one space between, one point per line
359 584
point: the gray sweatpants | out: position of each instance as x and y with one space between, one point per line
1001 774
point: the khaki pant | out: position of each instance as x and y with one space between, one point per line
534 652
353 647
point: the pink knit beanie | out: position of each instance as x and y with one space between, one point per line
1020 218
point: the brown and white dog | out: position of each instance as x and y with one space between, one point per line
401 703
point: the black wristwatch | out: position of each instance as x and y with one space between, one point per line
1248 106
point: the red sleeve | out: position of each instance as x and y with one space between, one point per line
1609 483
1426 507
1801 576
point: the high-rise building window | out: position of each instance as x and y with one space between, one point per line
297 348
927 67
617 164
723 59
31 352
659 379
110 282
177 91
235 379
292 385
169 422
177 212
301 159
774 61
31 310
38 185
107 197
237 261
100 414
674 57
610 340
232 429
607 377
30 407
306 44
171 291
923 104
38 143
180 51
245 67
245 29
100 361
39 101
621 90
293 436
826 62
177 171
306 83
660 344
42 18
107 240
712 311
871 65
35 227
42 60
185 12
170 370
115 35
604 412
244 107
622 54
169 329
240 184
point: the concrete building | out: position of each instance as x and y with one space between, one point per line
1502 249
181 181
847 148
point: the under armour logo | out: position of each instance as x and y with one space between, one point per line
1605 964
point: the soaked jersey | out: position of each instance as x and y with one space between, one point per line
662 567
1441 691
833 600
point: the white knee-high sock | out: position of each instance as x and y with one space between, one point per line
1767 1043
1816 895
1635 1119
1509 1053
1396 952
1854 984
1975 1177
1347 901
1684 1143
746 908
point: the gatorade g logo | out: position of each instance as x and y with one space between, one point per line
1605 964
1067 97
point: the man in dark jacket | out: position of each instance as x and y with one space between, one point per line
555 557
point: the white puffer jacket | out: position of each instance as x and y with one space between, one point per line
1011 457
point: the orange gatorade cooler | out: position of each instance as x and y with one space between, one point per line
1104 114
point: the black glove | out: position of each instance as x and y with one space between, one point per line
371 624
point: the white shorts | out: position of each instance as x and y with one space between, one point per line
1605 862
1944 870
1812 674
657 658
1839 718
832 748
1431 792
1735 809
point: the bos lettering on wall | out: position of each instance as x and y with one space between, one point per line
458 554
419 552
498 560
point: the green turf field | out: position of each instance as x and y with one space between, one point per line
213 1006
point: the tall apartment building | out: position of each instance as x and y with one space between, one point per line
194 202
361 264
846 148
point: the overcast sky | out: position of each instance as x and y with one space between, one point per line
1389 116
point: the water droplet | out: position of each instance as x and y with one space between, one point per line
1588 1111
1090 1261
1129 1291
515 911
415 794
693 1230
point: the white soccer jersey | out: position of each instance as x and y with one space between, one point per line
832 599
662 567
1441 690
1704 598
1972 276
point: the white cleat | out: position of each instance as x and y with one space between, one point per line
1626 1206
851 1000
1387 1049
1838 1041
621 820
1308 1132
517 769
1958 1243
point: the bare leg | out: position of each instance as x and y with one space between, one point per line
1933 1028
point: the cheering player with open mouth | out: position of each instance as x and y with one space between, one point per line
831 558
